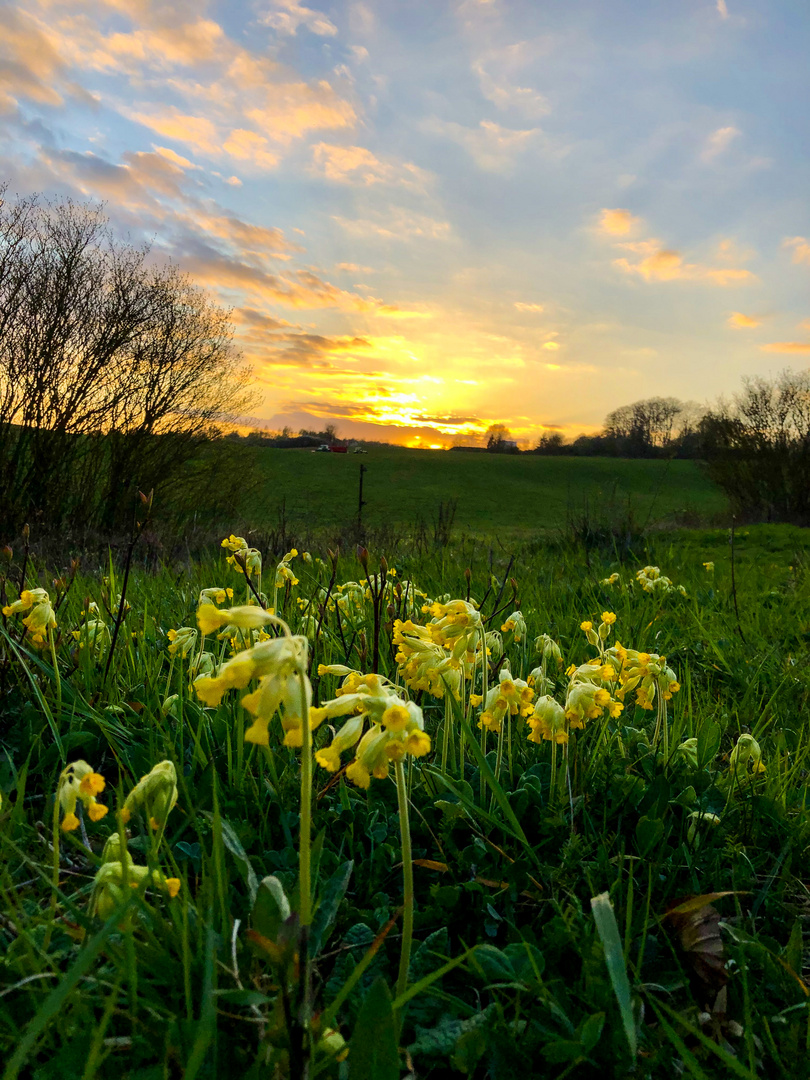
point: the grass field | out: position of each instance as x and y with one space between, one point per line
628 899
495 493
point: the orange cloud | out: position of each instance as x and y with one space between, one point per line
197 131
787 347
617 222
801 248
666 264
533 309
738 321
552 346
356 164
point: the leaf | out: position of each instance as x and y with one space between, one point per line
649 832
242 997
697 927
234 845
271 908
709 737
608 931
373 1049
326 912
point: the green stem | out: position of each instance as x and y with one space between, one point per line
407 880
56 675
484 690
446 733
55 876
306 806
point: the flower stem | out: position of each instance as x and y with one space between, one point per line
407 880
57 678
304 884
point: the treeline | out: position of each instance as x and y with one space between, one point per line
654 427
114 372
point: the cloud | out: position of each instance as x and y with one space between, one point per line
396 224
176 159
492 147
31 64
356 164
801 248
196 131
551 346
718 142
665 264
618 222
722 9
353 268
288 16
506 95
533 309
787 347
738 321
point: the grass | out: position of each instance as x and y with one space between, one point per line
541 939
511 495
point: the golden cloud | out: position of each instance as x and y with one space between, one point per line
738 321
533 309
356 164
801 248
617 222
787 347
666 264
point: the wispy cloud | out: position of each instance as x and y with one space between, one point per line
719 141
722 9
655 262
396 224
801 248
288 16
492 147
533 309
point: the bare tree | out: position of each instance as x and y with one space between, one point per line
110 370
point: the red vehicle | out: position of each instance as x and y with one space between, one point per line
334 449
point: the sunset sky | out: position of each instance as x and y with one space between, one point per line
432 215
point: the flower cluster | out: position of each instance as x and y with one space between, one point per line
155 794
40 618
423 663
277 663
78 783
508 697
645 673
116 872
652 580
243 557
396 728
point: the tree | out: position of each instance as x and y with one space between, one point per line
758 448
499 440
112 371
652 426
551 443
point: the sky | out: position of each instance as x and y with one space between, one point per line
429 216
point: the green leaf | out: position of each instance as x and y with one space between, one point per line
649 832
234 845
373 1053
271 908
243 997
608 931
591 1032
326 913
709 738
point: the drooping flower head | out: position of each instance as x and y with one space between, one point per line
78 783
155 794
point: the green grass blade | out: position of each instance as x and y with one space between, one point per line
608 931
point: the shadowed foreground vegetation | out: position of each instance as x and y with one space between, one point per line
625 898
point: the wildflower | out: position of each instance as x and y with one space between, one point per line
508 697
40 618
305 555
115 871
246 617
266 658
182 641
215 595
284 572
28 598
586 701
689 750
77 783
155 794
610 580
708 567
517 624
424 664
548 649
93 634
698 818
548 721
396 728
746 757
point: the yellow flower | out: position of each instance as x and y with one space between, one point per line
78 783
586 626
608 617
155 793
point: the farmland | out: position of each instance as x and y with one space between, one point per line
495 493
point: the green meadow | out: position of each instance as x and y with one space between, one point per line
493 493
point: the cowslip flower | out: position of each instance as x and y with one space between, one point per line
155 794
40 618
78 783
396 728
517 624
284 571
587 701
214 595
245 617
182 641
422 663
708 567
508 697
115 872
746 757
548 721
93 634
